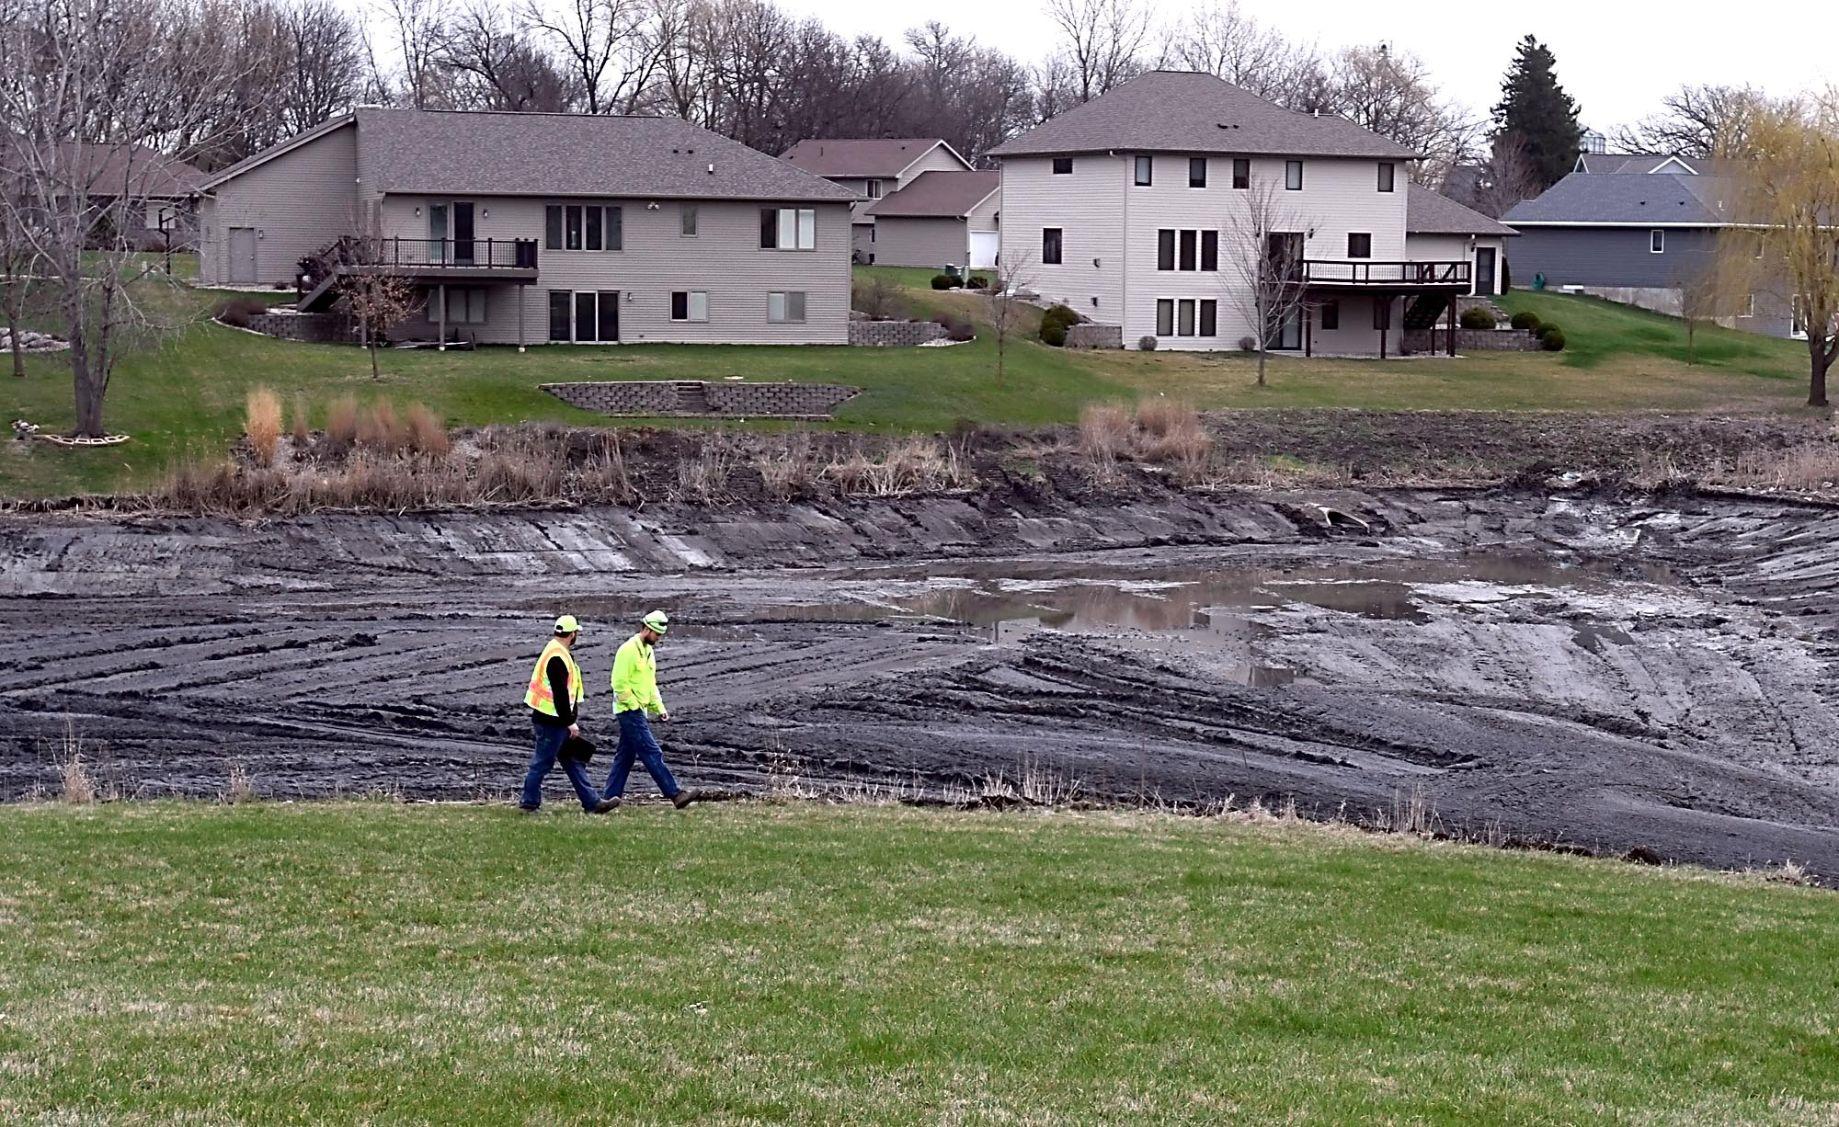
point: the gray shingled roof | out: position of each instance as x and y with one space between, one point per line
1430 213
1635 198
1190 112
571 155
854 157
948 195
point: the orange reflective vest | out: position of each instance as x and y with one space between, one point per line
538 696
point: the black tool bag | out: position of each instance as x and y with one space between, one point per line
578 749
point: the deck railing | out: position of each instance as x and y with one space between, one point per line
460 254
1367 272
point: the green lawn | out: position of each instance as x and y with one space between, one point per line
187 397
753 962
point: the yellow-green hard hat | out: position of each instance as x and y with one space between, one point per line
566 625
658 621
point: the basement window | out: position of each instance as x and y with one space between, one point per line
1657 242
1063 166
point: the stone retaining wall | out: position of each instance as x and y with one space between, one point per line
1093 335
1472 340
894 334
705 399
320 328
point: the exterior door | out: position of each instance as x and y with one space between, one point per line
463 233
242 254
1484 272
983 249
437 233
584 316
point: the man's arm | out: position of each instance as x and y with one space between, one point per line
558 691
625 673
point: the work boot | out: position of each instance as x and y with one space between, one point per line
605 806
522 809
683 798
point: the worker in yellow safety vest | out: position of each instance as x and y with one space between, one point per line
554 696
635 700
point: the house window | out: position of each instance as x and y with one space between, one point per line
1359 245
1331 315
1145 166
689 305
1197 172
1165 317
465 305
686 218
1050 246
1188 259
1387 173
1184 322
1165 249
788 228
1209 250
1241 172
874 189
1293 175
581 227
561 315
1209 318
786 308
1063 166
1657 242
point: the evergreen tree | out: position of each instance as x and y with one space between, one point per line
1537 112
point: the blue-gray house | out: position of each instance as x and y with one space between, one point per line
1640 229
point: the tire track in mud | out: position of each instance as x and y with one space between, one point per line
1675 696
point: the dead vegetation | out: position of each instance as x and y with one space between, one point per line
262 424
1158 431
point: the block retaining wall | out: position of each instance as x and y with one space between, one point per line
1092 335
894 334
1472 340
703 399
318 328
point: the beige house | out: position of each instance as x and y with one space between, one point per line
1135 210
1438 228
939 219
870 168
524 228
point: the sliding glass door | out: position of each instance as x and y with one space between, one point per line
584 316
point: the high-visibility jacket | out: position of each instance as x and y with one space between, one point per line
538 696
635 677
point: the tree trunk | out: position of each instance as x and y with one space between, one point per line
375 374
1820 356
1261 366
19 348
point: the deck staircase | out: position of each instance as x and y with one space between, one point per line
692 397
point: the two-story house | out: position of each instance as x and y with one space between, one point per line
1135 209
522 228
871 168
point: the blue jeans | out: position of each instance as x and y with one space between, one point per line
549 741
637 742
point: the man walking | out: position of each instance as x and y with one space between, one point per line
554 697
635 699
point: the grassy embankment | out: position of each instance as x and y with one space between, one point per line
187 396
804 962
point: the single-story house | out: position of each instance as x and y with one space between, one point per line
1439 228
870 168
939 218
528 227
1642 229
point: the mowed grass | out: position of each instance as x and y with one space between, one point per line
185 398
757 962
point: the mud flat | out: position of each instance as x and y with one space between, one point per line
1614 673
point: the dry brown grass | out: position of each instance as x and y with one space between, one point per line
303 426
912 465
262 423
1104 431
423 432
241 787
1159 431
342 423
788 468
1810 467
76 785
380 429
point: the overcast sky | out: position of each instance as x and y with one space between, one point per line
1614 56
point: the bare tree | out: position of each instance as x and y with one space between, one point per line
491 65
1503 179
1697 120
17 268
1390 93
1224 40
1005 305
609 47
1263 278
376 297
327 75
88 87
1787 190
1103 39
419 29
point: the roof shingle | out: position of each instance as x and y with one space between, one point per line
947 195
1431 213
1191 112
861 157
1634 198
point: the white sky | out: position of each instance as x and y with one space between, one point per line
1615 57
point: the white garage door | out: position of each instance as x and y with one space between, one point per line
983 248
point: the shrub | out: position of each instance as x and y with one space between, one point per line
423 432
303 429
1055 322
1526 321
956 328
977 282
1477 319
1146 344
262 423
1506 275
237 310
1248 344
1552 337
942 282
878 297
